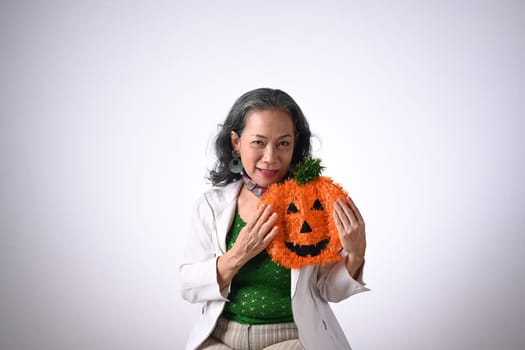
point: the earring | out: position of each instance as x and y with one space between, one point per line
235 163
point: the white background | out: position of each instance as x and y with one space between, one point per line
108 109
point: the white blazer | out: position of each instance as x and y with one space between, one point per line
312 287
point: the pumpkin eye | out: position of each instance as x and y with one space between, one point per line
292 209
317 205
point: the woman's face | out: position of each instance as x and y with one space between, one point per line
266 145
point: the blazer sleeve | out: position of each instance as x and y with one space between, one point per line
335 283
198 267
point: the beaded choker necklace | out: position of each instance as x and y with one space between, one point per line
252 186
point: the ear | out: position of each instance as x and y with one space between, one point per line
236 140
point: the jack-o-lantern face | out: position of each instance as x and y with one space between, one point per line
307 232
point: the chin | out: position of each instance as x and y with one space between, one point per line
265 182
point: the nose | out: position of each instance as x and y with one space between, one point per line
270 154
306 228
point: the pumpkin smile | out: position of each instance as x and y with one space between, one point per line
308 249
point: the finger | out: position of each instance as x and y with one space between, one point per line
265 228
253 220
257 219
268 224
343 232
343 219
347 216
354 221
356 211
265 215
270 236
338 213
338 222
263 218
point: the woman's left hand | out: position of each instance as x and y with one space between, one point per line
351 227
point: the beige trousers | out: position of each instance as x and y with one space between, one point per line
230 335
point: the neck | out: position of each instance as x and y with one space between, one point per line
252 186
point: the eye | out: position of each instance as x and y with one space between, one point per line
292 208
317 205
284 143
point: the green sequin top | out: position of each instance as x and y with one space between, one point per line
260 291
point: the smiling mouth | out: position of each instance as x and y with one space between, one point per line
308 249
269 174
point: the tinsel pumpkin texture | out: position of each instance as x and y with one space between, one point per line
305 205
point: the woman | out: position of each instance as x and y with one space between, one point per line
248 301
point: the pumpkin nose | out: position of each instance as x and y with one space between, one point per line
306 228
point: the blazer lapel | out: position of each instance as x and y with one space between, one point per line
295 277
226 206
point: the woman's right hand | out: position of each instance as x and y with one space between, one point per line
253 239
256 234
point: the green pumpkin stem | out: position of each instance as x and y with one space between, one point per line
307 170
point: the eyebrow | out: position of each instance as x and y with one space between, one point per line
264 137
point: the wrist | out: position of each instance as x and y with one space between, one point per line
354 264
232 259
227 267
